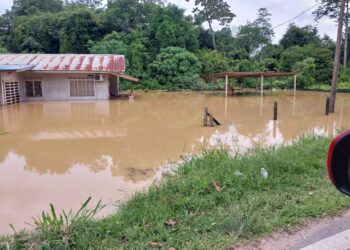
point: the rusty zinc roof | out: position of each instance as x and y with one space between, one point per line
66 62
248 74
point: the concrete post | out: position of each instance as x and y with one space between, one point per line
2 93
262 85
295 84
226 85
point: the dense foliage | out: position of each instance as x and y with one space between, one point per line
148 32
175 68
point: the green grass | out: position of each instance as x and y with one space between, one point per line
342 87
247 206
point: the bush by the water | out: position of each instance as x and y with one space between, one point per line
175 68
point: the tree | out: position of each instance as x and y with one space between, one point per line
3 50
330 8
322 57
306 70
126 15
212 62
78 26
110 44
300 36
37 33
30 45
213 10
263 21
257 34
169 27
250 38
131 46
225 41
328 42
92 4
31 7
176 68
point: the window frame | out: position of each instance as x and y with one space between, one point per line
82 87
36 88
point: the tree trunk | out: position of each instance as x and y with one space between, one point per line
212 34
346 35
337 58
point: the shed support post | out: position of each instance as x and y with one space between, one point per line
262 85
118 85
295 84
226 85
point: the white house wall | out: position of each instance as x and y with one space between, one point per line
57 87
1 94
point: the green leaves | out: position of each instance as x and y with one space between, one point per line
63 226
176 68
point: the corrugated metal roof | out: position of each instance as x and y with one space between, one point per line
17 68
66 62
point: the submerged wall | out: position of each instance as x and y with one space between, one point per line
57 87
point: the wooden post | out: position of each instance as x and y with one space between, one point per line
274 129
295 84
226 85
211 120
205 118
262 85
327 105
275 111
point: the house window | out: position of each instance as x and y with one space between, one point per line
82 87
34 89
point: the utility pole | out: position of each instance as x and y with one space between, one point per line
346 35
337 58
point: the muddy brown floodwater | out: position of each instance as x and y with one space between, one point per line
64 152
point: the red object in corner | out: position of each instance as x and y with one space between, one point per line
338 162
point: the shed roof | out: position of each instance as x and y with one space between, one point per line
65 62
248 74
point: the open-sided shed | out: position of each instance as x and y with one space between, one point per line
261 75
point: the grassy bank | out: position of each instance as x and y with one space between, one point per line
210 203
341 87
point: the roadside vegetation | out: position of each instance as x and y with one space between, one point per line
209 202
166 48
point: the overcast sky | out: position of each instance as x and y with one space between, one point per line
281 10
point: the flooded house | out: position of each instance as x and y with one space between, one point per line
45 77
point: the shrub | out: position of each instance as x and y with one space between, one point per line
306 70
176 68
212 62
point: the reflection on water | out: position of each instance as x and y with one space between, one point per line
64 152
